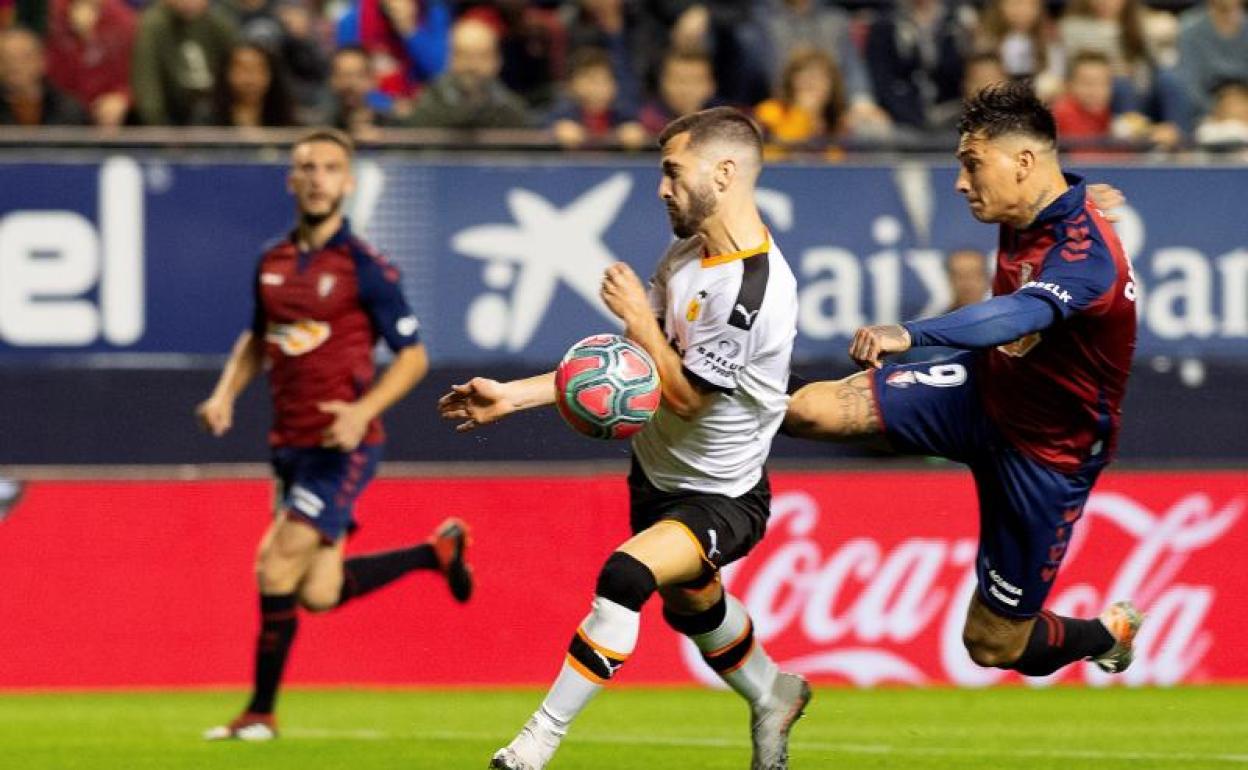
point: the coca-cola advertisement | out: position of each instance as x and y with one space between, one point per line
863 579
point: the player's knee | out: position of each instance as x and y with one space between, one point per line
319 598
626 581
277 572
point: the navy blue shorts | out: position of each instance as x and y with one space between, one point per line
1027 510
320 485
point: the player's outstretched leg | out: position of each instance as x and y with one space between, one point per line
725 635
1053 641
604 640
445 550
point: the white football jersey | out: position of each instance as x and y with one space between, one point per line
732 318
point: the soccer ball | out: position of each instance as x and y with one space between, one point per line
607 386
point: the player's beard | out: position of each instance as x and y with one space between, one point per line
685 224
314 218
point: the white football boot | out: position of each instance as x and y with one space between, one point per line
530 750
770 723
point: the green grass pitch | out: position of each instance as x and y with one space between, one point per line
999 728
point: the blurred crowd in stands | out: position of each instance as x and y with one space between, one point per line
818 75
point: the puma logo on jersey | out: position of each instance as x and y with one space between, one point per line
747 316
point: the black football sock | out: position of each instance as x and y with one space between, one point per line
278 623
1056 641
367 573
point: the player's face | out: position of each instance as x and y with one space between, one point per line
685 187
320 177
989 178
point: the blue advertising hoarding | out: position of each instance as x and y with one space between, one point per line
502 262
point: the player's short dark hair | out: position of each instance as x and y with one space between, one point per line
1229 86
1087 57
589 58
687 56
717 123
1008 107
354 49
330 135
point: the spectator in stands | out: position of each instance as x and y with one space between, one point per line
180 54
90 43
970 281
590 111
726 29
356 105
686 85
254 92
914 54
28 98
980 71
407 40
1115 28
809 24
609 24
1021 33
470 94
1226 126
1213 48
810 108
532 42
286 28
1083 113
969 277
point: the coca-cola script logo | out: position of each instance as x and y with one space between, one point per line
869 600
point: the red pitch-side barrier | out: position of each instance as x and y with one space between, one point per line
863 578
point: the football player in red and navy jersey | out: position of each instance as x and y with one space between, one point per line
322 299
1032 406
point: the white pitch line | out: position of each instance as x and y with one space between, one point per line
798 745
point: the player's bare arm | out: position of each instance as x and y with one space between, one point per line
625 296
216 414
351 420
871 343
839 410
481 401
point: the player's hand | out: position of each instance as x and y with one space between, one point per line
348 428
624 294
870 343
1106 197
216 415
477 402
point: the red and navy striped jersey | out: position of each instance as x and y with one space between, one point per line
1057 394
320 314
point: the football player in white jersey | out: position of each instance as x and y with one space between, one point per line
719 320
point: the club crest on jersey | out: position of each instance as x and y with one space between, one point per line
902 378
325 284
1021 346
695 307
298 338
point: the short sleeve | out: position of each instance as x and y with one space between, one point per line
259 323
382 298
1074 275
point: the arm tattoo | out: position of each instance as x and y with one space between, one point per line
857 414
